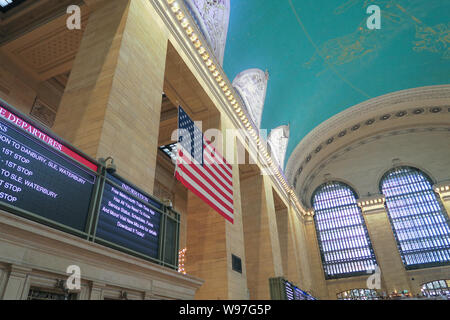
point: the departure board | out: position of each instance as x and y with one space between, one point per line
42 176
127 218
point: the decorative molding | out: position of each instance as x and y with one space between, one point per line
278 141
212 18
307 181
364 116
43 112
251 85
372 204
443 189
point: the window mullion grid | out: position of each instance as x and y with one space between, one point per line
423 236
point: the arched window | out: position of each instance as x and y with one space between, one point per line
343 239
436 288
419 222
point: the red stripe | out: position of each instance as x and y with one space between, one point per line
197 169
207 190
212 164
196 192
79 158
218 162
228 187
220 156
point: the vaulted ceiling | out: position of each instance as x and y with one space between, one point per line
322 58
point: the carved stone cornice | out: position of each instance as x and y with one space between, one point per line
372 204
443 189
412 110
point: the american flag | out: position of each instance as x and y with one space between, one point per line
201 169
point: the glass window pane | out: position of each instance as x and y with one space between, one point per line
343 239
418 219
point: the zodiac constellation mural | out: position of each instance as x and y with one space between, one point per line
362 41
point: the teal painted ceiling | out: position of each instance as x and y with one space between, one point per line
322 58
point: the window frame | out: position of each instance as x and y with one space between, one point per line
391 219
372 257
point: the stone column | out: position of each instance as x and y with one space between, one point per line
237 282
319 287
262 246
112 102
443 189
286 220
303 258
97 291
207 256
18 283
212 240
393 273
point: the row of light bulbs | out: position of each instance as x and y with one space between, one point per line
181 261
442 189
371 202
228 92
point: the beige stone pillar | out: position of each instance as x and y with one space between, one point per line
206 256
18 284
303 258
319 287
288 244
443 190
97 290
262 246
212 240
393 273
111 105
237 282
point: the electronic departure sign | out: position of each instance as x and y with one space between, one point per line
129 218
43 179
42 176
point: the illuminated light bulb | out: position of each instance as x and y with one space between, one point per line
225 88
208 62
447 188
175 7
216 74
205 56
201 50
180 15
189 30
240 114
212 68
184 23
193 37
233 102
170 1
221 84
238 110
